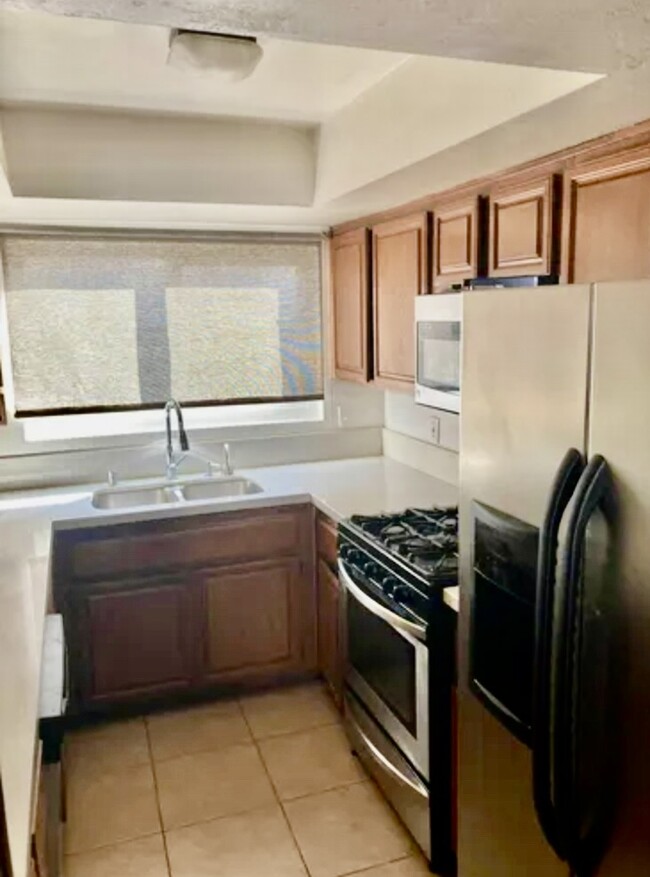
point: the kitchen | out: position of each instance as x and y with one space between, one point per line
309 621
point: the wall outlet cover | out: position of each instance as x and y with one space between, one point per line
434 429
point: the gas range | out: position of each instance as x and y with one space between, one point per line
399 647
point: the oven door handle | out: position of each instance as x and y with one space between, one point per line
387 764
418 631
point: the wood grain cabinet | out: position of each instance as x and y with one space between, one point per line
401 271
330 656
132 639
455 242
608 236
234 606
350 268
524 229
257 625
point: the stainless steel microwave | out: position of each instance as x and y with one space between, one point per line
438 330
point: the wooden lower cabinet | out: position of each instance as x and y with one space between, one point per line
329 645
258 624
132 640
246 617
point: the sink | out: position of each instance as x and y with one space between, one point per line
216 489
187 491
127 497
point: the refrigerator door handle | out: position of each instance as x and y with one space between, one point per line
562 490
594 491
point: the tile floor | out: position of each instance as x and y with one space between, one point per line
265 785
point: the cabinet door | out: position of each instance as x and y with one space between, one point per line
609 228
259 621
351 304
455 239
329 653
524 227
131 640
401 270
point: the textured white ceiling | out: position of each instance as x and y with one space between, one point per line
63 60
590 35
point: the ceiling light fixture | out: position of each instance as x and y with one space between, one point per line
231 57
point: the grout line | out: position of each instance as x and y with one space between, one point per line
156 791
325 791
380 865
277 797
113 843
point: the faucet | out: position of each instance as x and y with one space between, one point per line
174 461
227 463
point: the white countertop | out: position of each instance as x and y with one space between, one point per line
338 487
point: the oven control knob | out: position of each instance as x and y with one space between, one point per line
401 594
355 556
389 585
370 570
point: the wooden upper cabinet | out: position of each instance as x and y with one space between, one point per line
401 270
350 304
523 236
455 241
608 236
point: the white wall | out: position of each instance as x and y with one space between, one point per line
5 188
112 155
425 106
425 438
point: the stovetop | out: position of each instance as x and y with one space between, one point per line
424 540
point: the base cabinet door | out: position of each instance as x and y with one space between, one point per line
259 622
329 651
133 641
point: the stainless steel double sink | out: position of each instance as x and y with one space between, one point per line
162 492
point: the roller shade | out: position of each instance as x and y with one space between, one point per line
119 323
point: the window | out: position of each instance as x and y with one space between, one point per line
115 323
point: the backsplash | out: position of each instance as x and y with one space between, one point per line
424 438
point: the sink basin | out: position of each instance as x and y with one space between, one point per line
127 497
217 489
188 491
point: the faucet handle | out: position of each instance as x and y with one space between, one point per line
227 463
111 477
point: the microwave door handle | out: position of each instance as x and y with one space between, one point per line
563 488
594 491
418 631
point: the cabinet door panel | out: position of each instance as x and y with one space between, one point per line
135 641
455 242
524 228
350 304
329 652
609 201
401 272
259 619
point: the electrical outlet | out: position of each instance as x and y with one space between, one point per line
434 429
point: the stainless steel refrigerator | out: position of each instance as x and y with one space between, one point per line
554 628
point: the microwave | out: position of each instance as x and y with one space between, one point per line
438 330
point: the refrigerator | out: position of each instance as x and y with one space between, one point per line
554 626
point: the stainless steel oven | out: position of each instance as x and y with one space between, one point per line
387 668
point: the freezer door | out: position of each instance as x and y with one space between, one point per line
524 385
620 431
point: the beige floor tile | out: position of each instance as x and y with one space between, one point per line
206 785
199 729
413 866
249 845
346 830
110 806
310 761
104 747
289 709
144 857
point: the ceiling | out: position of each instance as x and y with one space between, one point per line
56 60
589 35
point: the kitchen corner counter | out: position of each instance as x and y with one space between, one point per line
338 488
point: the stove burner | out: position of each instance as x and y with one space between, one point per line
426 538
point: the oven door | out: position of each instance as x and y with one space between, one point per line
387 667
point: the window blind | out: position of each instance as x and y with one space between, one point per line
113 323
